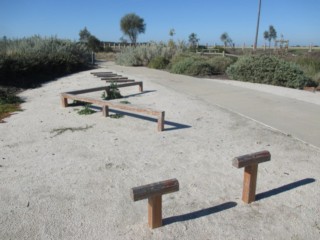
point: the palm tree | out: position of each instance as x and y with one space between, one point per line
257 29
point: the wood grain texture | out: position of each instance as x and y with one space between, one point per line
154 189
250 183
155 211
249 159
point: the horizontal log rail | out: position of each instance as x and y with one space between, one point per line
106 105
250 163
154 192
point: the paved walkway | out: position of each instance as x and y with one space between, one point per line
290 111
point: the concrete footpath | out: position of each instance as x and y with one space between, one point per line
293 112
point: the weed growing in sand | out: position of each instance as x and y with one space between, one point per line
125 102
112 92
86 110
59 131
116 116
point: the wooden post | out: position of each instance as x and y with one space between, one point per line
105 111
64 101
154 192
141 87
161 122
250 163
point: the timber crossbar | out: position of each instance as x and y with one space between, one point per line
250 163
154 192
107 104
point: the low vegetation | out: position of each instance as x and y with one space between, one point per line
30 61
8 103
269 70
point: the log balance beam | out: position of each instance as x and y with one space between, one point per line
154 192
108 104
250 163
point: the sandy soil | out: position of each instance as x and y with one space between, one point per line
67 176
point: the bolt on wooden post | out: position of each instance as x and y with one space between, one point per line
250 163
154 192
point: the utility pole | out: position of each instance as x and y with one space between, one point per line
257 29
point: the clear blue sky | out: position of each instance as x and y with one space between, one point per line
297 20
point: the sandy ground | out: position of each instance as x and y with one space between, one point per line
68 176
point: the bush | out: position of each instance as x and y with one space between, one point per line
142 55
200 68
180 67
268 70
220 64
29 61
158 63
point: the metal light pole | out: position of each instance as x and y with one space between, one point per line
257 29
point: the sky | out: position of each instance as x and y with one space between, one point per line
297 20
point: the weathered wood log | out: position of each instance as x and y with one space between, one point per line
103 103
250 163
94 73
114 78
249 159
119 80
154 194
153 189
140 84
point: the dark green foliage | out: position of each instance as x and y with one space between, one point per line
132 25
9 98
116 116
158 63
268 70
112 92
220 64
30 61
181 67
86 110
200 68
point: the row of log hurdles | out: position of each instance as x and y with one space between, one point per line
154 191
121 82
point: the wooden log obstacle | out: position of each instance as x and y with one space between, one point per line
111 77
154 192
106 105
250 163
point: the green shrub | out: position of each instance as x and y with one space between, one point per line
220 64
158 62
142 55
180 67
29 61
86 110
9 98
200 68
268 70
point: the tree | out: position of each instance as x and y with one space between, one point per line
226 39
132 25
193 40
91 41
84 35
257 29
271 34
172 32
266 36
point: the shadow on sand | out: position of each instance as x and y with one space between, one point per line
199 214
284 188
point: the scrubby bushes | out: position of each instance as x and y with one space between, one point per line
158 62
269 70
29 61
195 65
142 55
